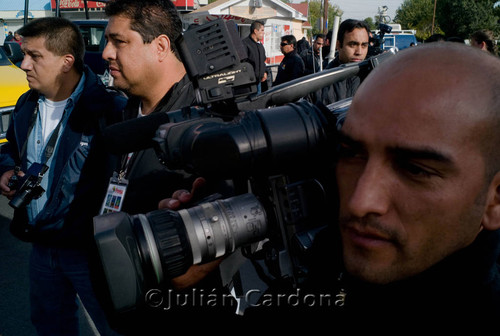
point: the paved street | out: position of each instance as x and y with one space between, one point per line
14 288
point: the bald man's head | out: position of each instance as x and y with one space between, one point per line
440 80
418 161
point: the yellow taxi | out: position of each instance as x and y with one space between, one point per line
13 84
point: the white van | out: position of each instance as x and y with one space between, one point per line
399 39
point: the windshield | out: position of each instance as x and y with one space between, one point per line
4 60
403 41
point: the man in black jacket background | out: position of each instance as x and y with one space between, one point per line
256 52
352 46
311 57
292 66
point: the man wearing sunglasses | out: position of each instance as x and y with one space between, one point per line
291 66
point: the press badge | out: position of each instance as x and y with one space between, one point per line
115 194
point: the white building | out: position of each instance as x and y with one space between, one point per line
279 19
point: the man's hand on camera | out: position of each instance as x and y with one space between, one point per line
4 183
181 197
195 273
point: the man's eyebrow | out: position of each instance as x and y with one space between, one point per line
407 152
112 35
421 153
346 139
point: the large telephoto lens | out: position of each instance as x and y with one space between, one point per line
140 252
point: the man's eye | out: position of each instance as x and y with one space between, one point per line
345 151
415 170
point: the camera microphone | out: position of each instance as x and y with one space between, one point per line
137 134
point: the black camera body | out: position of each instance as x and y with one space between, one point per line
377 41
28 186
279 151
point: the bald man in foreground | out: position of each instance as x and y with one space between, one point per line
419 186
416 246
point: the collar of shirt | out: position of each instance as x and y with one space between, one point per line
72 98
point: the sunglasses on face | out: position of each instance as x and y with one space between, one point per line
284 44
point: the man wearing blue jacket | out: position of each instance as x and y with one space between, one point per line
55 128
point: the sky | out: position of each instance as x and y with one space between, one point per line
353 9
361 9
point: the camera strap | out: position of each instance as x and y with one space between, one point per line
49 148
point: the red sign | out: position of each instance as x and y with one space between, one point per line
80 4
77 4
183 3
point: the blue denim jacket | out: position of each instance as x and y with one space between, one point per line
36 148
78 172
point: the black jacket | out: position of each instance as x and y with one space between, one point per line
461 291
311 61
291 67
256 57
149 180
339 90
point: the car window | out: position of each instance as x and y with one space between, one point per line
4 60
404 41
92 37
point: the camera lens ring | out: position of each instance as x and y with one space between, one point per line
171 242
153 254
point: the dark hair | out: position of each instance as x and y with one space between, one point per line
487 37
61 37
321 36
457 39
150 18
329 35
348 26
436 38
256 25
290 39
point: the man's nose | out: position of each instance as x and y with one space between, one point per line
372 191
108 52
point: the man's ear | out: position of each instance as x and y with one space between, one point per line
491 216
483 46
68 60
163 46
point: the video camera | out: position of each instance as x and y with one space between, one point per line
280 147
377 41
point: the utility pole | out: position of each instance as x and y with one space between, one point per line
26 10
325 17
58 9
433 17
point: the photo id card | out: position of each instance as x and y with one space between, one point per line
114 195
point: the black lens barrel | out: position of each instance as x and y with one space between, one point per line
171 241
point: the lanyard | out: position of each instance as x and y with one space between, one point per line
126 163
49 148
